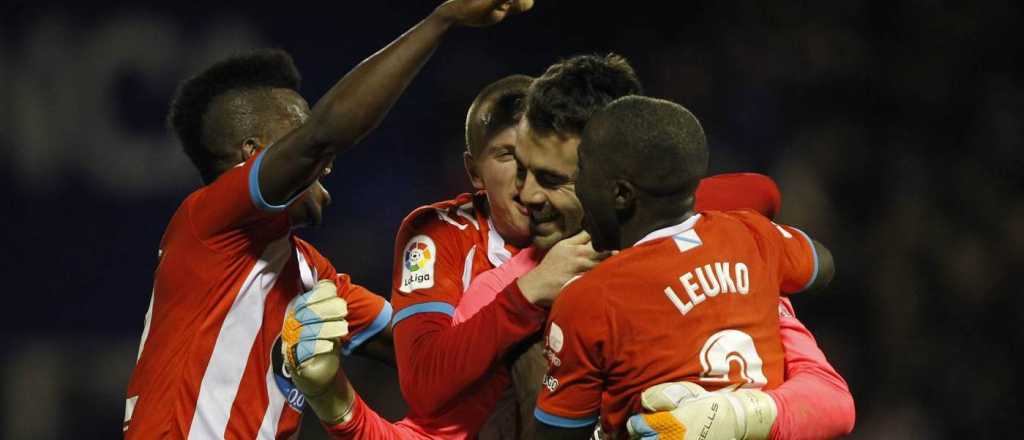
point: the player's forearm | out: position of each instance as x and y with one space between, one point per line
438 361
350 110
357 103
365 424
814 401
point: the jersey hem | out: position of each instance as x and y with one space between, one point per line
563 422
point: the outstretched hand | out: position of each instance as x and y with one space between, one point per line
481 13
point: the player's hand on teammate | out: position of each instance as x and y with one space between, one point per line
565 261
314 324
481 13
685 411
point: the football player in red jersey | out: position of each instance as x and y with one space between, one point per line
209 361
558 106
617 329
444 257
447 335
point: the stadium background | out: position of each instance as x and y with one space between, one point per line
893 129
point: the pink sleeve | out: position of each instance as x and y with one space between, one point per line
486 286
814 402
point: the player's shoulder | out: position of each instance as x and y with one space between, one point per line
743 219
454 217
307 248
180 224
591 288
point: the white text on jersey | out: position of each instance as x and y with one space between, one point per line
709 281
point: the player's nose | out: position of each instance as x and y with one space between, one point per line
530 192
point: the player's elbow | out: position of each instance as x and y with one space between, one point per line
847 414
419 397
826 267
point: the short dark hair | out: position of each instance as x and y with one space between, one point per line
572 90
258 69
656 144
496 108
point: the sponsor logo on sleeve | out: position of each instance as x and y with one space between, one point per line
418 264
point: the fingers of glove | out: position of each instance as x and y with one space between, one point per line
299 342
316 374
305 350
660 426
668 396
320 304
331 309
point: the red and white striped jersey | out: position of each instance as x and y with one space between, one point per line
209 362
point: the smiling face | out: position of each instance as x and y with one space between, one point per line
494 169
548 180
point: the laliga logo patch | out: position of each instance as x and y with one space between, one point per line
283 378
417 256
418 264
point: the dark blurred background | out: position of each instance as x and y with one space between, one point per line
892 127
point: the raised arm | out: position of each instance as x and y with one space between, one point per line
357 103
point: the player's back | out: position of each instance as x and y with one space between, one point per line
696 301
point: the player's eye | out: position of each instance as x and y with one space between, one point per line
549 180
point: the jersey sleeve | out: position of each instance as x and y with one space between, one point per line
428 266
576 344
234 201
814 401
368 313
733 191
437 359
786 249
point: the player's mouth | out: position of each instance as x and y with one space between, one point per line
544 223
539 217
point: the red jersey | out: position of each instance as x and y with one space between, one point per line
209 362
696 301
452 374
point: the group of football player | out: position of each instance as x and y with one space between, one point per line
596 283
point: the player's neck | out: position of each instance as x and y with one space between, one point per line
644 223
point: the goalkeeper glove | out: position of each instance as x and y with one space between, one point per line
685 411
314 324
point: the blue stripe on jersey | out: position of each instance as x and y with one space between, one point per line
254 188
378 324
562 422
427 307
814 252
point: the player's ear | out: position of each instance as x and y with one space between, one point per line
625 195
474 176
250 148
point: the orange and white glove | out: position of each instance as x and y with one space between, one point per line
314 324
685 411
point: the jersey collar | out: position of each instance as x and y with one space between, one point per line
670 231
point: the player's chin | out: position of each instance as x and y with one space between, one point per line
315 214
544 239
311 215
